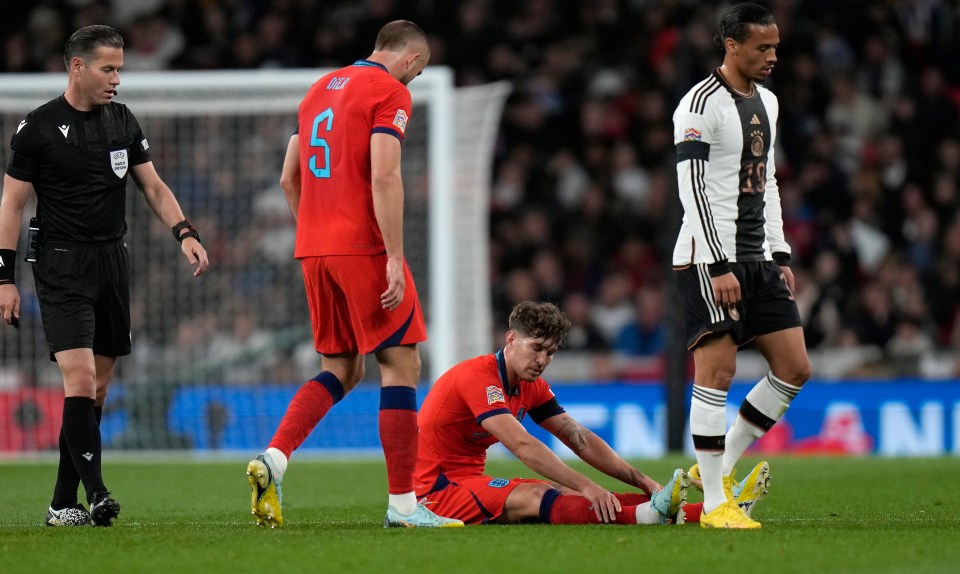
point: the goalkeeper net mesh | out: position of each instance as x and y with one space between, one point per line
216 358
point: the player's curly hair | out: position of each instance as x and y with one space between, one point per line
84 42
735 22
539 319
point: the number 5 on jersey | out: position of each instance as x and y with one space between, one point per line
323 120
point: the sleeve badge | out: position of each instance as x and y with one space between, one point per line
692 135
400 120
494 395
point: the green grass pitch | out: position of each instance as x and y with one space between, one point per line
822 515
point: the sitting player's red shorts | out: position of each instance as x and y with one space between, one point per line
475 499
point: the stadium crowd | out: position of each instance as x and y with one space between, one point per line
583 206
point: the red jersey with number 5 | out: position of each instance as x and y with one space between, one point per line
337 117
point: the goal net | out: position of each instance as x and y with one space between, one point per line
217 358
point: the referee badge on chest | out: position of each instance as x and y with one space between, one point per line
118 161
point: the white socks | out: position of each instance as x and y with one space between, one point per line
404 503
646 514
279 462
708 426
769 399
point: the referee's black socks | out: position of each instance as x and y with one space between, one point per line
82 433
65 490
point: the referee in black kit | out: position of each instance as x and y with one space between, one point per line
76 151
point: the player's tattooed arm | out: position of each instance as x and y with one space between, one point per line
574 435
596 452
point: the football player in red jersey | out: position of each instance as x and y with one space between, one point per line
341 178
481 401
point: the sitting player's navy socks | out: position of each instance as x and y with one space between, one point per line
82 435
68 480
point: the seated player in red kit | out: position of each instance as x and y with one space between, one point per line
481 401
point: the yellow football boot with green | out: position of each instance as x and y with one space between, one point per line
266 495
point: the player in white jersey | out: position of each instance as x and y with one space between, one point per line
731 260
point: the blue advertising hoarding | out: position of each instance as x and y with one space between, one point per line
899 418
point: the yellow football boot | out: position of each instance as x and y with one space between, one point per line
728 515
266 495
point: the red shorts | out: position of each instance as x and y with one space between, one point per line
474 500
343 292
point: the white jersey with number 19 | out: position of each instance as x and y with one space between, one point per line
725 171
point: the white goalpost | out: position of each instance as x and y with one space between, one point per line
218 139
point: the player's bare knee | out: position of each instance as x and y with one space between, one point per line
716 377
351 382
795 375
347 367
400 365
80 384
353 377
523 502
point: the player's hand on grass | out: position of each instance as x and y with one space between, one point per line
603 502
396 284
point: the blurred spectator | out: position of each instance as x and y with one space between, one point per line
243 351
906 348
612 310
584 335
151 42
646 334
874 321
854 117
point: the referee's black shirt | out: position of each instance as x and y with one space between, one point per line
78 163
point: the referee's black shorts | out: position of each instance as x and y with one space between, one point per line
766 305
84 294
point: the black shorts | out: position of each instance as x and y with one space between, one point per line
766 305
84 294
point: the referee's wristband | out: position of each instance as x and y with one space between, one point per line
185 224
192 233
8 259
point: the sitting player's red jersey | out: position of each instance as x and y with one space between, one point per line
452 442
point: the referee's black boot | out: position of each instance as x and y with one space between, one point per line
103 509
